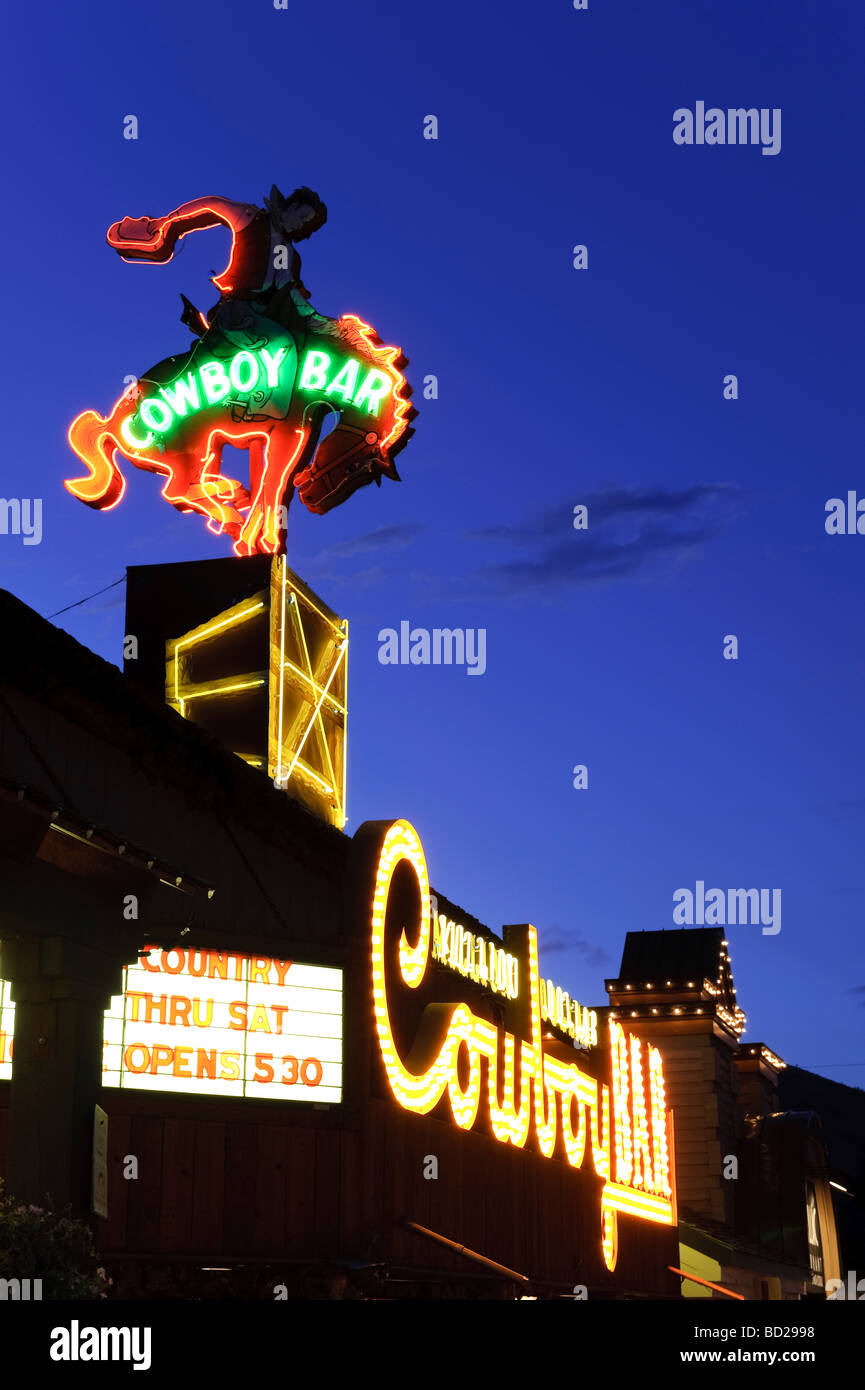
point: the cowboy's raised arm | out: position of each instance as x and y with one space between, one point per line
154 238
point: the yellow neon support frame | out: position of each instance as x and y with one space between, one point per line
190 639
289 763
319 780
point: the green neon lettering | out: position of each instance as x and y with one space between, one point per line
156 415
374 389
253 371
130 436
314 374
345 381
214 382
272 362
182 396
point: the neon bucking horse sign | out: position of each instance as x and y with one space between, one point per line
266 374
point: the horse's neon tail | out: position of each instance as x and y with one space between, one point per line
92 438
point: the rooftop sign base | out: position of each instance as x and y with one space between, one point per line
268 677
246 650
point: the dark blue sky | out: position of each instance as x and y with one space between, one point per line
556 386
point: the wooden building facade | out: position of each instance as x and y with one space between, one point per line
109 798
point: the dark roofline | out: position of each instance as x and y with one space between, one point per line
55 671
840 1086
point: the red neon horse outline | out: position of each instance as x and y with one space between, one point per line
284 453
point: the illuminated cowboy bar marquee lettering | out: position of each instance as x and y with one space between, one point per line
564 1110
559 1009
213 382
472 956
479 959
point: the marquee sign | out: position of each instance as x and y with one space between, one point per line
479 959
472 956
529 1095
559 1009
265 375
217 1023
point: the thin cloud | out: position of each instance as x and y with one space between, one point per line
556 943
385 538
630 530
357 579
607 504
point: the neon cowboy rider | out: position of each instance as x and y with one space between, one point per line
262 278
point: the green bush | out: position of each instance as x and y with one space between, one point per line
43 1243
